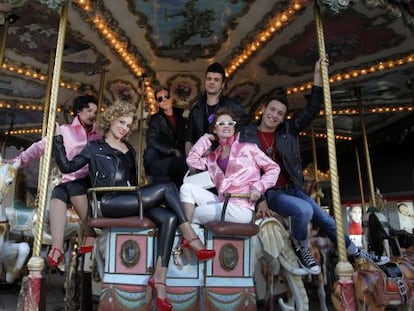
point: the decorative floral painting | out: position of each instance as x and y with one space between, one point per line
184 89
244 92
123 90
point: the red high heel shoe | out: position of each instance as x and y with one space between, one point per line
162 303
201 254
59 262
86 246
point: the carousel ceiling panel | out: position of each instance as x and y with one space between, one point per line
34 35
264 45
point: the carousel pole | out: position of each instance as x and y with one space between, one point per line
344 269
3 42
361 187
47 107
2 51
36 262
315 162
141 134
357 91
101 91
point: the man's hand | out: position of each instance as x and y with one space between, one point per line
263 210
175 152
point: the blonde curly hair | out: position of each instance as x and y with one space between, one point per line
119 108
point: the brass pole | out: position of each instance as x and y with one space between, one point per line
141 133
343 268
101 91
34 282
361 186
46 109
315 162
50 130
4 42
2 51
357 91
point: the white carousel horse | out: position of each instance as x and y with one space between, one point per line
273 252
21 219
12 255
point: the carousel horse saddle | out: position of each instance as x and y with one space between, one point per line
394 281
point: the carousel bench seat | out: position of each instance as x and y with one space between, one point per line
124 222
231 271
231 229
126 253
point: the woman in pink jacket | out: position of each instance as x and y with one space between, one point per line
234 168
72 190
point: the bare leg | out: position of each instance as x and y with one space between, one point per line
81 205
160 276
189 209
57 222
191 236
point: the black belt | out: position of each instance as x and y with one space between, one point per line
283 188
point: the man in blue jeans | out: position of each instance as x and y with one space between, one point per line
279 139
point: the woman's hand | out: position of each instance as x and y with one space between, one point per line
255 195
210 136
57 129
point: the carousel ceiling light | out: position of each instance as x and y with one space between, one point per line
324 136
36 74
273 26
32 106
352 110
112 38
24 131
380 66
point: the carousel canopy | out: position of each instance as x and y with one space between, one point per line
129 47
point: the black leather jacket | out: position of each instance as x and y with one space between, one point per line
104 164
287 142
197 120
160 134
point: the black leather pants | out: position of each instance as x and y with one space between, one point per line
165 219
153 197
167 193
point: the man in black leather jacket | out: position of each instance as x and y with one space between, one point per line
278 137
203 111
164 158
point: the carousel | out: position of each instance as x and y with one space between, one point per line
357 154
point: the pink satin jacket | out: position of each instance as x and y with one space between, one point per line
248 169
75 138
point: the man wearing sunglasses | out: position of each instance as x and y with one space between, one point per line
204 109
164 158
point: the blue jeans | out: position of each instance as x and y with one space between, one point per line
302 209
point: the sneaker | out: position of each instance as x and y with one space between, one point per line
306 260
379 260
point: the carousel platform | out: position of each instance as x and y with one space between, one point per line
55 296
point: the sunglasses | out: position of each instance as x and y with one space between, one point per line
224 123
161 98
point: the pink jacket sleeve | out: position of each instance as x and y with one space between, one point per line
34 152
195 157
270 168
